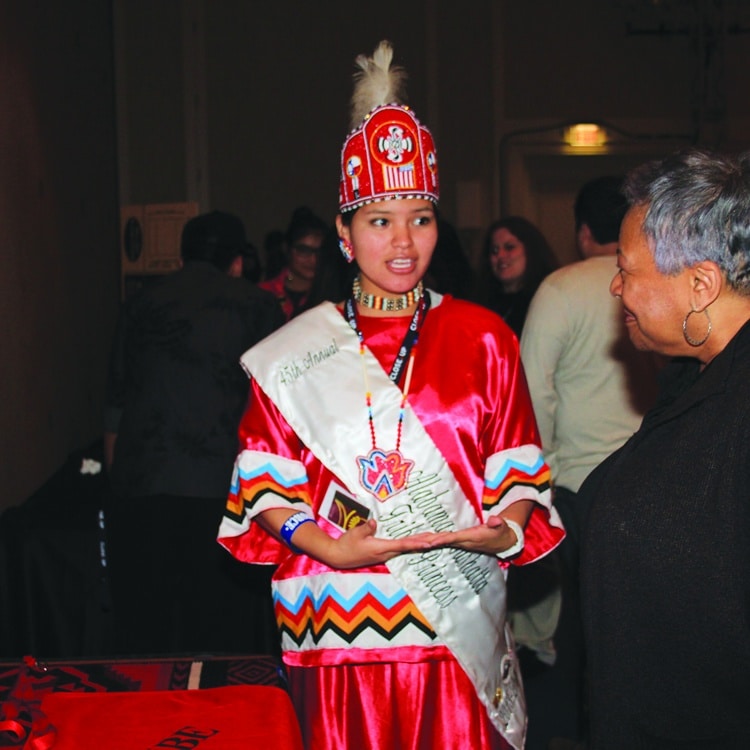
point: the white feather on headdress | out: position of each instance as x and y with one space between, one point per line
376 83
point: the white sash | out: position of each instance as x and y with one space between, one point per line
312 371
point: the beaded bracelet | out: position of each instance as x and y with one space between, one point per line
291 525
512 551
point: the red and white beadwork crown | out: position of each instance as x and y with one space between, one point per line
390 155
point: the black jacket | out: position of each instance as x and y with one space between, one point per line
666 567
176 389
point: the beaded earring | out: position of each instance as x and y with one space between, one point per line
346 249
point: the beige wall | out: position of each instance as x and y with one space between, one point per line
243 105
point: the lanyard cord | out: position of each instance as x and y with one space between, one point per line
408 349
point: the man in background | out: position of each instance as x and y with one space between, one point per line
589 386
176 392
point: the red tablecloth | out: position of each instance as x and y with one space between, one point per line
240 717
146 703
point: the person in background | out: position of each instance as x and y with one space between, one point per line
450 271
302 242
374 431
176 393
590 389
251 267
665 568
515 258
333 274
273 254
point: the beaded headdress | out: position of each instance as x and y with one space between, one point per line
389 154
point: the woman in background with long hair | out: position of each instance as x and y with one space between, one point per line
515 258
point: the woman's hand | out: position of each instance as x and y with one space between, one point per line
356 548
359 547
490 538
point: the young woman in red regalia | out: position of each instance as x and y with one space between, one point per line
390 467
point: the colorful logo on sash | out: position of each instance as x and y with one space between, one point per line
383 474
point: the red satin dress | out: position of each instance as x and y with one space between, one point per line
366 670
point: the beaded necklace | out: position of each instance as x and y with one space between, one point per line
387 304
384 473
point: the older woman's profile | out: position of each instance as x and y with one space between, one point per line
665 557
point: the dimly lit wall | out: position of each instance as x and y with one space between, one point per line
272 99
243 105
58 233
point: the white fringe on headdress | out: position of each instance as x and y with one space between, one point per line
376 83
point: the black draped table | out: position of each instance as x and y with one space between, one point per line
56 598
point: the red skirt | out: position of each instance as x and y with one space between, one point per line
391 706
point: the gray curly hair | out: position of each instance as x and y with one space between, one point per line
697 208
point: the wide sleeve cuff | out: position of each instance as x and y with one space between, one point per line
261 481
521 473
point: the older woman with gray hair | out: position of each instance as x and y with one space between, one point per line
666 550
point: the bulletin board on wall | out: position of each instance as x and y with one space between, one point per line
150 241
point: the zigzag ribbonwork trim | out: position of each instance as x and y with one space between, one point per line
514 469
368 609
250 484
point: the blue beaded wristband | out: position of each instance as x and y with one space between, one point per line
290 526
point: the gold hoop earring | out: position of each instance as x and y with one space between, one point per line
688 337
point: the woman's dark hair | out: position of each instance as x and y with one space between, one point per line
273 247
302 223
333 274
540 260
450 271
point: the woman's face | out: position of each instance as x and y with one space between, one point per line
393 243
508 259
303 256
654 303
